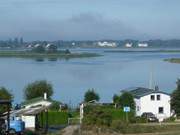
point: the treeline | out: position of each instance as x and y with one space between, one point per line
12 43
19 43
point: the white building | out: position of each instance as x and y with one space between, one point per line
142 45
128 45
154 101
107 44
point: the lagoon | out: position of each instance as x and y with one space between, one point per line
108 74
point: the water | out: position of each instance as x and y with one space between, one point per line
107 74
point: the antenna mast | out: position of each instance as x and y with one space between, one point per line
151 79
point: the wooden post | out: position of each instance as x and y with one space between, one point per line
8 118
127 117
46 113
42 120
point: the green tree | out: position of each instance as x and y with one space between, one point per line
55 105
175 99
37 89
91 95
116 100
4 95
127 99
67 51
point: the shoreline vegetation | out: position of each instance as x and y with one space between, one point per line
173 60
143 51
54 55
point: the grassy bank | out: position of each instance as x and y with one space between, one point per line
134 129
57 55
173 60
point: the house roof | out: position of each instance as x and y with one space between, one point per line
34 100
139 92
5 101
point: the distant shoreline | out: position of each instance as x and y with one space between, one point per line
173 60
143 51
59 54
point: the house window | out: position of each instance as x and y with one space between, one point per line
161 110
152 97
138 108
158 97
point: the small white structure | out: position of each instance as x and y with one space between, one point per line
142 45
107 44
128 45
154 101
30 109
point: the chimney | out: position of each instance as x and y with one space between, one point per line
45 96
156 88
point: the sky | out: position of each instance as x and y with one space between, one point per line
89 19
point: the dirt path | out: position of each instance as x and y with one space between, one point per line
69 130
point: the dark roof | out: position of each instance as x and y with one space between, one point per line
5 101
138 92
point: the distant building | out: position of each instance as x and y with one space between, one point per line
142 45
107 44
51 48
154 101
36 45
128 45
73 43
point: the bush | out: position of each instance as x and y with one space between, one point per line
171 119
97 116
138 120
118 125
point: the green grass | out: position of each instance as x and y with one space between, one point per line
118 114
59 118
173 60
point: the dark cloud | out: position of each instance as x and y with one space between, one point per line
90 19
81 27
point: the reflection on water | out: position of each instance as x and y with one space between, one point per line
108 74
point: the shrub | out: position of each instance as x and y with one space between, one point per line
97 116
138 120
170 119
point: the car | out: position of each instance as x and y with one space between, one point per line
149 116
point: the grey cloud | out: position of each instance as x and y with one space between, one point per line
87 26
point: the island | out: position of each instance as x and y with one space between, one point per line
54 55
173 60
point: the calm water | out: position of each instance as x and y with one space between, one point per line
107 74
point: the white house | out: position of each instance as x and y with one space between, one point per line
154 101
107 44
142 45
128 45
